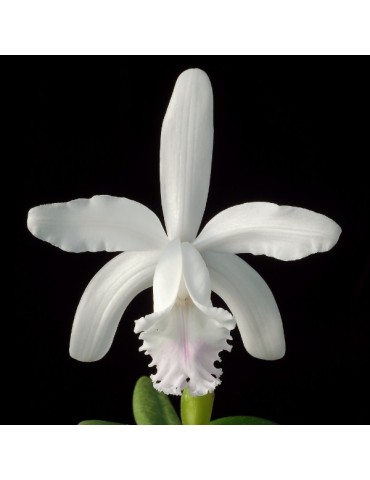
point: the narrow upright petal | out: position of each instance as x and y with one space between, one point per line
283 232
99 223
251 302
186 154
104 301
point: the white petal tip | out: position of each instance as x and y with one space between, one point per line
337 233
271 355
29 219
32 222
86 357
193 73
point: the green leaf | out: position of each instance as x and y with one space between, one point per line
196 410
242 420
98 422
152 407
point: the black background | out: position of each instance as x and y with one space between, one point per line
287 130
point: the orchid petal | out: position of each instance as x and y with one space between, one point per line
184 343
104 301
283 232
99 223
186 154
250 301
167 277
196 276
198 286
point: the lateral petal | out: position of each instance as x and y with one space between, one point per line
99 223
251 302
283 232
104 301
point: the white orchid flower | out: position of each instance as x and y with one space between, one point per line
185 334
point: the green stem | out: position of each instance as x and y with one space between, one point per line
196 410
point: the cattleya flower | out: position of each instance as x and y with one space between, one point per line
186 333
